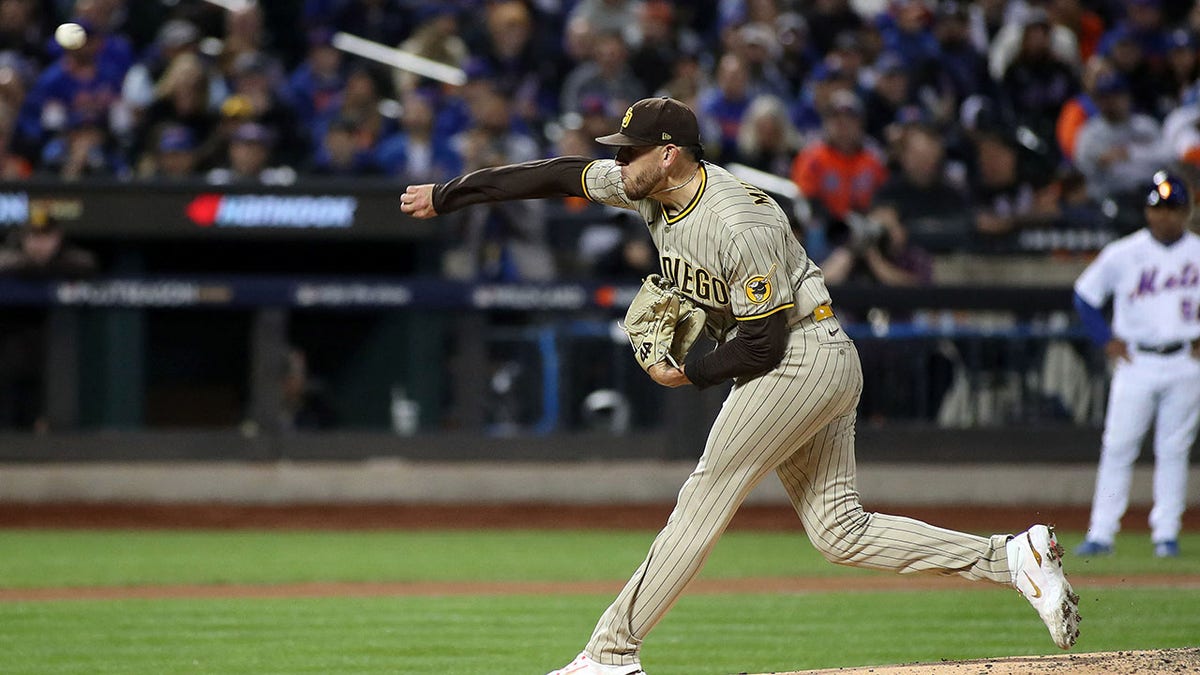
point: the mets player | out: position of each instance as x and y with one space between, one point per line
796 375
1153 278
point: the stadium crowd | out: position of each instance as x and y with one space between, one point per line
911 126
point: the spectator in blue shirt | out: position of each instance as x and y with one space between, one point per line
905 30
358 101
314 84
827 77
451 105
112 50
415 153
1144 24
339 154
77 86
725 103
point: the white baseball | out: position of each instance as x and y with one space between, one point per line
70 36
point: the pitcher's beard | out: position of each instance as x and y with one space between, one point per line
642 186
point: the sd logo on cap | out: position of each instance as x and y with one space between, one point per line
656 121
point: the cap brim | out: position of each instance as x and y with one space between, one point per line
621 139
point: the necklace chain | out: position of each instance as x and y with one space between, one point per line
672 189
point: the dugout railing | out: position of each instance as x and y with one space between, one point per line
500 369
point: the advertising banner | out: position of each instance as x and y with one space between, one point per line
329 210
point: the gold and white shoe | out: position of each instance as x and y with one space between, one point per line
1035 560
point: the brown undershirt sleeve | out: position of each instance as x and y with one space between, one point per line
557 177
758 347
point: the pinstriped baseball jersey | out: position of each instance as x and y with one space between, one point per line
730 249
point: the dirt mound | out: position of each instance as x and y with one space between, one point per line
1149 662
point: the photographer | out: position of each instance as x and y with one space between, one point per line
879 252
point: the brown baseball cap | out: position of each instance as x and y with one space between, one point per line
656 121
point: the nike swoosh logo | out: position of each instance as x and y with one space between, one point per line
1037 592
1036 556
834 331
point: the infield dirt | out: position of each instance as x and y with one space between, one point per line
1150 662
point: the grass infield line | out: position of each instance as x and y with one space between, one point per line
332 589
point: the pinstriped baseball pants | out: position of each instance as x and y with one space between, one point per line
797 420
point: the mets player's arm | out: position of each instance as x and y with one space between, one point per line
1092 290
558 177
1097 329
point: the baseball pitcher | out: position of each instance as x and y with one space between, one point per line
1153 278
726 246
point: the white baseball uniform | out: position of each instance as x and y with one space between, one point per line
1156 311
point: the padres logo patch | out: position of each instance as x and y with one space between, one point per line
628 116
758 289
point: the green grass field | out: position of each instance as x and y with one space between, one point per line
725 633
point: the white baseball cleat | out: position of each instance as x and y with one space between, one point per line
584 665
1035 559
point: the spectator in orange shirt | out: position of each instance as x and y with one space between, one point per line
838 174
1079 108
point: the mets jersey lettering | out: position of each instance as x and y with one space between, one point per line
1151 282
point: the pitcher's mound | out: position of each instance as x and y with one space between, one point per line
1149 662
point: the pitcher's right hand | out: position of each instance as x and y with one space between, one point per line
417 201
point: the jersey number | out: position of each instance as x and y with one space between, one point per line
1190 310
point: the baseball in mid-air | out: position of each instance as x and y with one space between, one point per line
70 36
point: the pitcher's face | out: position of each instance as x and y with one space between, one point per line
641 171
